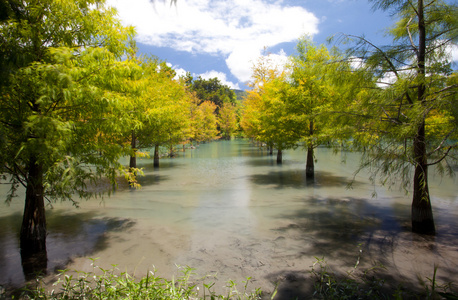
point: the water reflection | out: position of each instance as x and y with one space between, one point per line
34 263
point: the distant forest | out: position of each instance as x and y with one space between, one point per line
241 95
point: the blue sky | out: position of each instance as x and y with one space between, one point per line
222 38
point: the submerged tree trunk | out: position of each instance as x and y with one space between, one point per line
156 156
422 214
33 229
279 156
133 156
310 164
34 264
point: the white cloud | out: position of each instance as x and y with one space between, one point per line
221 76
356 62
278 60
180 72
235 29
241 63
453 52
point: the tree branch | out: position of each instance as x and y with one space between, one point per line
443 156
387 59
410 37
442 143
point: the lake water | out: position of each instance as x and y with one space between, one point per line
227 208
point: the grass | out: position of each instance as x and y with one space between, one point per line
111 284
369 285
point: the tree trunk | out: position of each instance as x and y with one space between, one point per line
310 165
156 156
133 156
422 214
279 156
33 229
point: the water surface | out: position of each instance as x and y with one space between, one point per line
228 208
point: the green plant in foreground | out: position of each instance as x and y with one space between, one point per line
110 284
329 285
431 289
107 284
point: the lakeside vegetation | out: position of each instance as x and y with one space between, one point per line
324 283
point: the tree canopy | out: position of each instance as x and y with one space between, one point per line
211 90
58 113
396 103
408 118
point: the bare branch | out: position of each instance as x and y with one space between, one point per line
410 37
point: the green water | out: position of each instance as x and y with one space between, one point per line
227 207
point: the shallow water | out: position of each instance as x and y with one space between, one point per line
228 208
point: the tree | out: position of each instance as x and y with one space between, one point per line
314 73
227 120
57 122
203 121
266 116
166 119
155 104
413 88
213 90
279 128
251 113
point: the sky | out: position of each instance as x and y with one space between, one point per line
224 38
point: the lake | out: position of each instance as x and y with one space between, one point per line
227 208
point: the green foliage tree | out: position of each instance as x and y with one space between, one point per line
155 104
204 123
407 119
212 90
251 112
315 73
227 120
166 119
57 118
266 115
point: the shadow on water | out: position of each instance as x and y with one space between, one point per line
164 163
261 161
69 236
342 231
327 222
151 179
297 179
